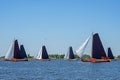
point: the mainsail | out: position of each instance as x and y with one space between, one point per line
97 48
70 54
43 54
23 52
110 54
82 48
17 54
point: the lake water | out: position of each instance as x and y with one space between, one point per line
59 70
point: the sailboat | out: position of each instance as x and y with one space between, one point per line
70 54
110 54
43 54
14 53
97 53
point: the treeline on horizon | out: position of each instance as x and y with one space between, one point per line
61 56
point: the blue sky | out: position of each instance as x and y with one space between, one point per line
58 24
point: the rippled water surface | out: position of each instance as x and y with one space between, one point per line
59 70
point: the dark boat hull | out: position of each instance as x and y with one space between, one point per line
16 60
44 59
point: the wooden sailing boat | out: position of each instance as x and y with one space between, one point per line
70 54
14 53
43 54
98 53
110 54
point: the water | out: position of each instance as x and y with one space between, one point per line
59 70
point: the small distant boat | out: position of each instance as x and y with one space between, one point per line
110 54
70 54
98 53
16 54
43 54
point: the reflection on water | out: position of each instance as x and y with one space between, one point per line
59 70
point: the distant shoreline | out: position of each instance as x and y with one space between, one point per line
61 57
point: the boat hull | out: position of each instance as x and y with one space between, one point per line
85 60
7 60
71 59
16 60
44 59
93 60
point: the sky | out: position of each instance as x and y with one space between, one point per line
58 24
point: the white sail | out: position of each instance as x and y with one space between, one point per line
81 50
66 55
10 52
39 56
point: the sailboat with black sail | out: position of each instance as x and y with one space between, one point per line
97 53
70 54
43 54
14 53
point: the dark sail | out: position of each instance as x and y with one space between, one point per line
17 54
71 54
44 53
23 52
97 48
110 54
